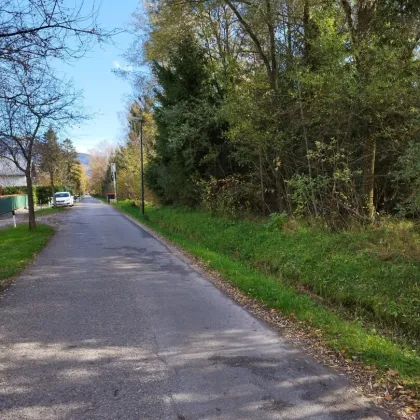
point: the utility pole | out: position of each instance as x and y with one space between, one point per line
141 160
114 177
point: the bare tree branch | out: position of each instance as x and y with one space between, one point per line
31 102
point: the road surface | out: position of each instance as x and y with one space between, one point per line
110 324
22 216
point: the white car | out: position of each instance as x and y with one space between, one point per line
64 199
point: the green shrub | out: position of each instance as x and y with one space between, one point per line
277 221
44 194
19 190
232 196
14 190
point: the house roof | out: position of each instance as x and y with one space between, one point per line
8 168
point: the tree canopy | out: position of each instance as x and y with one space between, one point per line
300 106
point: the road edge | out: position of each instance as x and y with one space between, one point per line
280 324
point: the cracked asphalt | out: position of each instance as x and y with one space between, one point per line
109 323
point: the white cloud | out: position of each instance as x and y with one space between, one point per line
82 149
118 66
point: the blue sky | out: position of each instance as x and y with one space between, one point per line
105 94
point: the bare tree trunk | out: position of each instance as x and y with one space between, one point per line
272 39
359 28
31 204
279 198
369 176
307 45
258 45
287 195
261 180
265 205
289 34
305 135
53 189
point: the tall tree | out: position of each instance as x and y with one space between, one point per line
70 174
99 162
50 157
189 140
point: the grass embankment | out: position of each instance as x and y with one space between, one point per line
333 281
18 247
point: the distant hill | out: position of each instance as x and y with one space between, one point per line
84 159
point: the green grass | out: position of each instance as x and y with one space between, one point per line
18 246
49 210
345 272
103 199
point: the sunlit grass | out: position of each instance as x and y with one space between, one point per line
364 294
18 246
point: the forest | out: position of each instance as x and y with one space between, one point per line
303 107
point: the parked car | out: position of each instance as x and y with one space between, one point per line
64 199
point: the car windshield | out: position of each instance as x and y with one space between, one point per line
62 195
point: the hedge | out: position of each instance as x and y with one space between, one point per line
41 193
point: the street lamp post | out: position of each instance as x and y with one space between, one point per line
141 161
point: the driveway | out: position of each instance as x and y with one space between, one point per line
6 220
109 323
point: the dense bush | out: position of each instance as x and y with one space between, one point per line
408 177
13 190
19 190
232 196
44 194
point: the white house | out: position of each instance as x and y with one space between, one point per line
10 175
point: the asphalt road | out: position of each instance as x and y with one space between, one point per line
109 323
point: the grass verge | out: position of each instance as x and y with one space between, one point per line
273 266
103 199
18 246
50 210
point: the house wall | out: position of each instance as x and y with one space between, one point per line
12 180
10 174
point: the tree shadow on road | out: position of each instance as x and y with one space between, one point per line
133 333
